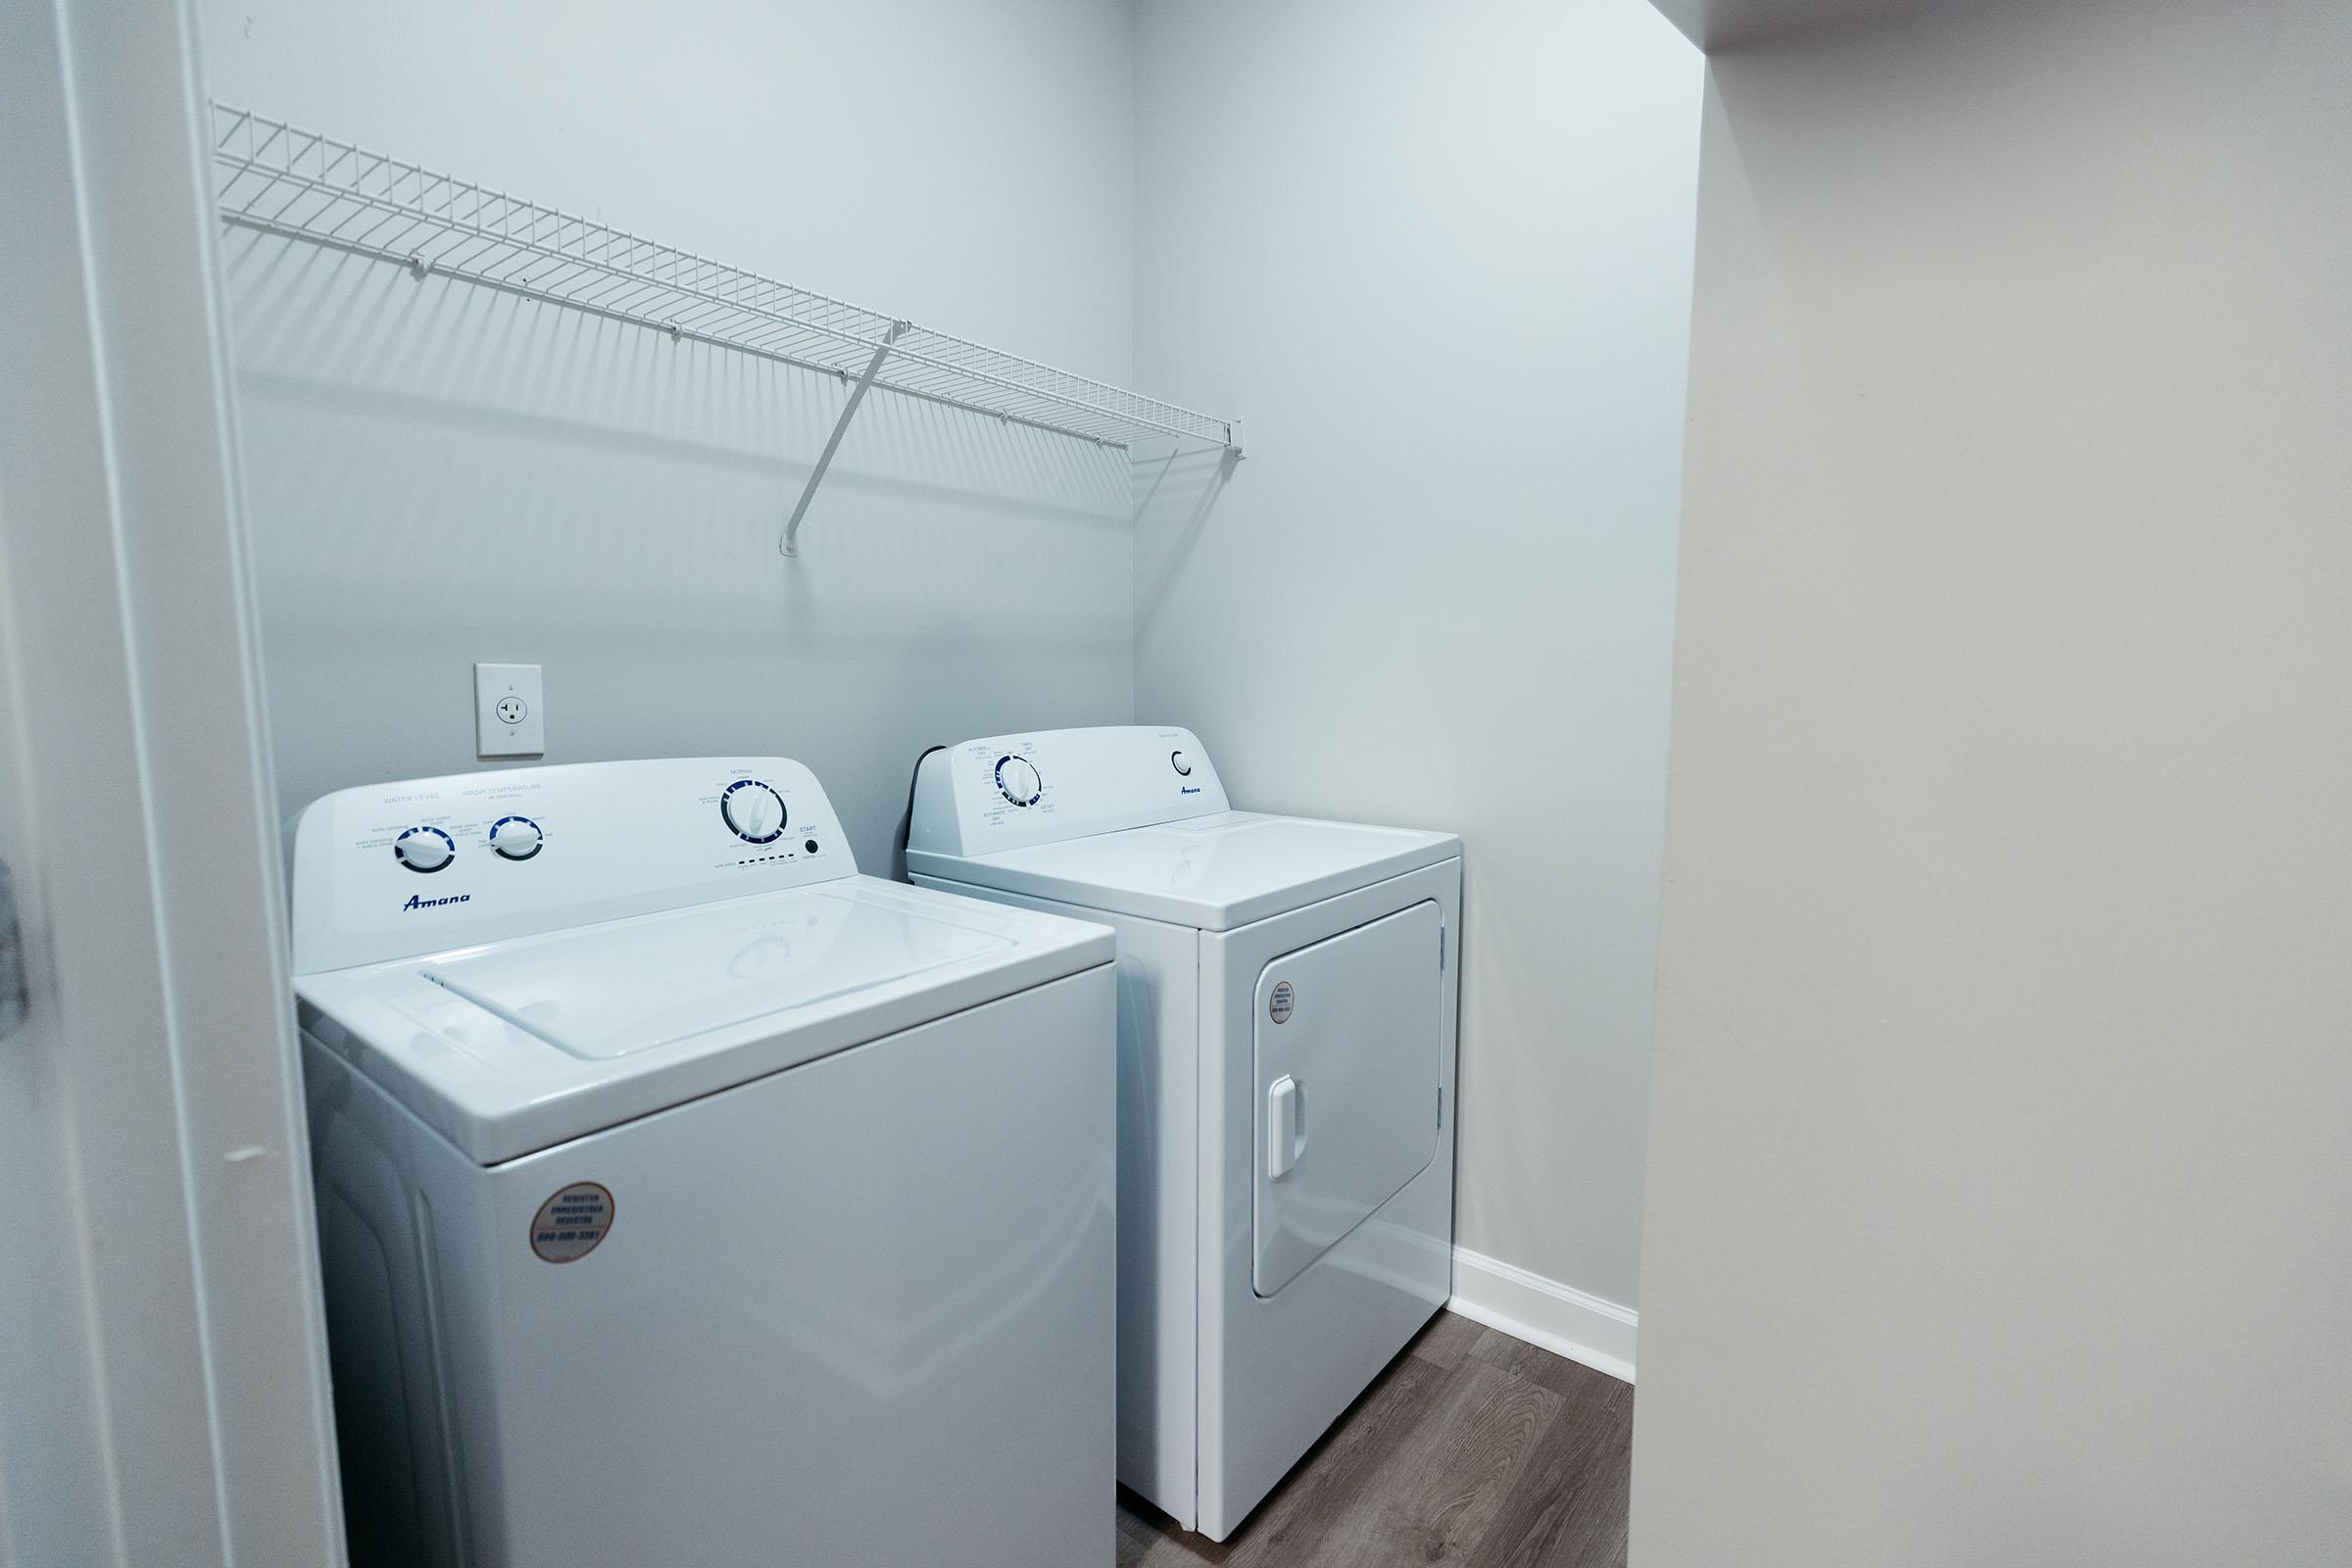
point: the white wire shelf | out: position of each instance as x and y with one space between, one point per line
279 179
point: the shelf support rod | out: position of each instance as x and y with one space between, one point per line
790 544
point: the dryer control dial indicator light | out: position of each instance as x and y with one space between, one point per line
754 813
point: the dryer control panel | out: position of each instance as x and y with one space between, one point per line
1007 792
396 871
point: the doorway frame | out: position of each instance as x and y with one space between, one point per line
162 1376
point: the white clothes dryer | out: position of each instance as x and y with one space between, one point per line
685 1197
1288 1014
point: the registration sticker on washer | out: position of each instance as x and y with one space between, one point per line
569 1225
1283 1002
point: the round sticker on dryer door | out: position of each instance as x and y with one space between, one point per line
570 1225
1282 1002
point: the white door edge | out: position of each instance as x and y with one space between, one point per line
164 1366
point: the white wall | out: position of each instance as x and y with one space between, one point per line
1444 259
2001 1158
1441 258
438 474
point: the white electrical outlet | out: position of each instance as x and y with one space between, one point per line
509 717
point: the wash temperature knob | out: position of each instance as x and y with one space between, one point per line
517 838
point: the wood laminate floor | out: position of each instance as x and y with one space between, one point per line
1473 1449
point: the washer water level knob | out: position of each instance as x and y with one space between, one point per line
754 813
1182 764
1018 781
424 849
517 838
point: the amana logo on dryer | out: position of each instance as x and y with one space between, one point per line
416 903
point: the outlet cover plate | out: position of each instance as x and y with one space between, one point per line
509 716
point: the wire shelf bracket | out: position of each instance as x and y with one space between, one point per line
274 179
789 542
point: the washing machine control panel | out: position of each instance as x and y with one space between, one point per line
397 870
1007 792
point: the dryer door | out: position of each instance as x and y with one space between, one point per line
1348 1078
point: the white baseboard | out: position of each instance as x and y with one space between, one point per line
1556 1317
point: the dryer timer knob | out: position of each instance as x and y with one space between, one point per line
1018 781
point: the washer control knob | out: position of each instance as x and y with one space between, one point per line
517 838
754 813
1018 781
424 849
1182 764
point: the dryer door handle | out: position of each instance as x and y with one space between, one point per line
1286 1126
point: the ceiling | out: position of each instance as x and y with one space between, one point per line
1728 24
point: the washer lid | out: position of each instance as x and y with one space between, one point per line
1209 873
517 1046
615 990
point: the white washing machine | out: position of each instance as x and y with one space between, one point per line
1287 1026
685 1197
